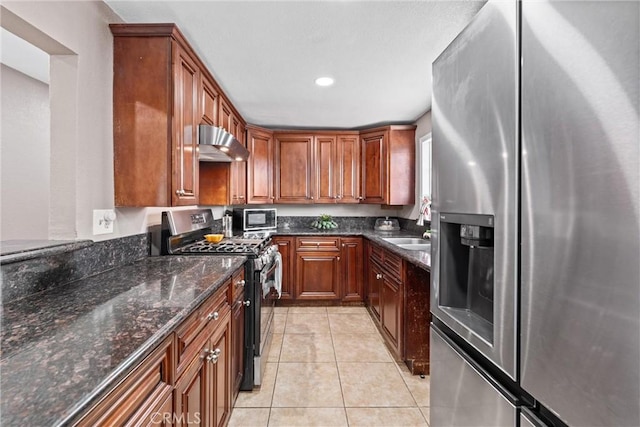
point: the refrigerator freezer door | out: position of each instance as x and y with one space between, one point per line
580 340
464 396
474 159
527 419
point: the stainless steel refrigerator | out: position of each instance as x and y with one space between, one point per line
536 225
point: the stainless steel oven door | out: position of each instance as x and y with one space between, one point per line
475 174
265 311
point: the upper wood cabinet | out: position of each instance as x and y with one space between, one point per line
161 93
325 170
185 120
294 178
317 167
260 166
388 165
156 89
337 168
210 98
348 168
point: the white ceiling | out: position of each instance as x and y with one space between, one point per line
267 54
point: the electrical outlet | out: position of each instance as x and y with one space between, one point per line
103 220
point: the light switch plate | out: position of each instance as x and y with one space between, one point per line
101 222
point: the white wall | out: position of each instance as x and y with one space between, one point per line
423 127
25 156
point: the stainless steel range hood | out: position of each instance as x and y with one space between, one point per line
218 145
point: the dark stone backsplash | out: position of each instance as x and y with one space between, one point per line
350 222
28 276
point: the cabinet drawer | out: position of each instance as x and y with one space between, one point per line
237 285
393 265
141 392
318 244
210 312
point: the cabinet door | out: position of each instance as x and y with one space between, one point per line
293 167
241 182
260 167
185 134
221 373
238 169
392 312
237 356
209 99
351 269
225 119
286 249
348 169
192 393
374 168
325 172
374 288
317 276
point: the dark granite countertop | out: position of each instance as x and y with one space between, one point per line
421 259
63 348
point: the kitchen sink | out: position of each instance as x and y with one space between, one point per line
406 240
416 247
410 243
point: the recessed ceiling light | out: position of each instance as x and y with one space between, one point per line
324 81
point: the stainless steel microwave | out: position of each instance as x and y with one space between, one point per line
247 219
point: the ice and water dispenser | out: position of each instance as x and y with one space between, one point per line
466 270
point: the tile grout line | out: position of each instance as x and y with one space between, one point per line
335 356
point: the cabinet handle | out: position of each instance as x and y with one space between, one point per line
247 303
338 258
240 282
180 192
213 316
378 276
311 197
214 355
360 198
241 197
343 245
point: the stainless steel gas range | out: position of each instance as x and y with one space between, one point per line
182 233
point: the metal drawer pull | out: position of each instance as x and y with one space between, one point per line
247 303
378 276
214 355
213 316
240 282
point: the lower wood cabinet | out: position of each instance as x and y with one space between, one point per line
385 295
286 247
141 395
191 378
397 296
317 276
352 269
237 327
324 268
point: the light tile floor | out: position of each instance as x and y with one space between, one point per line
329 367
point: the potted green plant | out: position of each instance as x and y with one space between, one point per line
324 222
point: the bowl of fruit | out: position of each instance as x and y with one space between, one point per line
324 222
